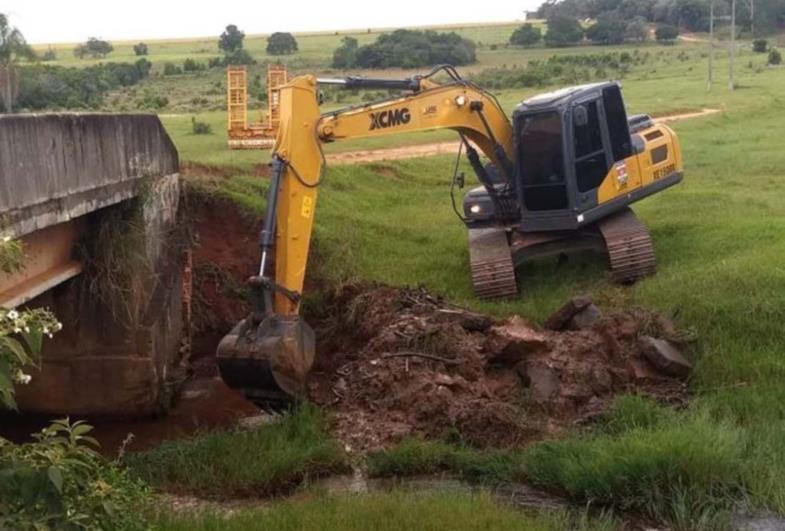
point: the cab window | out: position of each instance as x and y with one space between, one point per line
591 164
541 156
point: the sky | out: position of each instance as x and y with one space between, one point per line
53 21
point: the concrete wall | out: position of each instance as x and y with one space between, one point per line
117 353
56 167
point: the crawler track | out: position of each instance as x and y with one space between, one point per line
630 249
493 271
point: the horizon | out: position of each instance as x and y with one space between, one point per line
134 22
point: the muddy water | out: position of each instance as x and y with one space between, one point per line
205 404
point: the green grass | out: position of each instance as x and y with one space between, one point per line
396 510
415 457
259 462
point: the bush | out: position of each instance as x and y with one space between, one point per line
215 62
345 56
49 55
57 87
152 102
407 49
760 45
140 49
281 43
171 69
563 31
60 482
637 30
774 57
191 65
239 57
200 128
666 34
606 31
526 35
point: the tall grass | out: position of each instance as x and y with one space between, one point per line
386 512
262 461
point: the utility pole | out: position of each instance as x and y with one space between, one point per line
711 47
731 84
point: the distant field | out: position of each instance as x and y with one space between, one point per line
315 48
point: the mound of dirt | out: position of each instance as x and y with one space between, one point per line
403 363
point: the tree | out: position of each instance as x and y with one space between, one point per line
637 30
774 57
13 48
666 34
140 49
526 35
345 56
606 31
281 43
231 39
563 31
94 48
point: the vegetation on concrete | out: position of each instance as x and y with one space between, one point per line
59 481
406 49
270 459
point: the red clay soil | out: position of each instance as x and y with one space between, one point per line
404 363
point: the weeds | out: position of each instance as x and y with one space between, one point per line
264 461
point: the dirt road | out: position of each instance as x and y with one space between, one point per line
451 148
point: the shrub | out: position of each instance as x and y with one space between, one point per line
606 31
57 87
151 101
171 69
239 57
191 65
345 55
140 49
637 30
526 35
563 31
214 62
774 57
666 34
408 49
281 43
49 55
760 45
200 128
59 481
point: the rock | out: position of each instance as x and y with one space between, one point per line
542 380
585 318
513 340
562 317
665 356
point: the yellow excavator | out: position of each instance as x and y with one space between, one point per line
559 176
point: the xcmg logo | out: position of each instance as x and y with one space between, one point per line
391 118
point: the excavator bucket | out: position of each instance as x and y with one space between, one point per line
268 359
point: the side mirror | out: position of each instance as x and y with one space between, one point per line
580 116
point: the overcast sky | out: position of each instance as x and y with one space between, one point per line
50 21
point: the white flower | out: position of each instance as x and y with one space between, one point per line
27 329
50 336
58 327
13 314
22 378
17 330
45 330
6 239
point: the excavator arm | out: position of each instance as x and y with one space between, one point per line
269 354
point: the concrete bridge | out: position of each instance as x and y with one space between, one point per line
94 199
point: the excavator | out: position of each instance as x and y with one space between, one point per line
558 176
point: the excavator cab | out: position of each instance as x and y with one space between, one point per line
565 144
